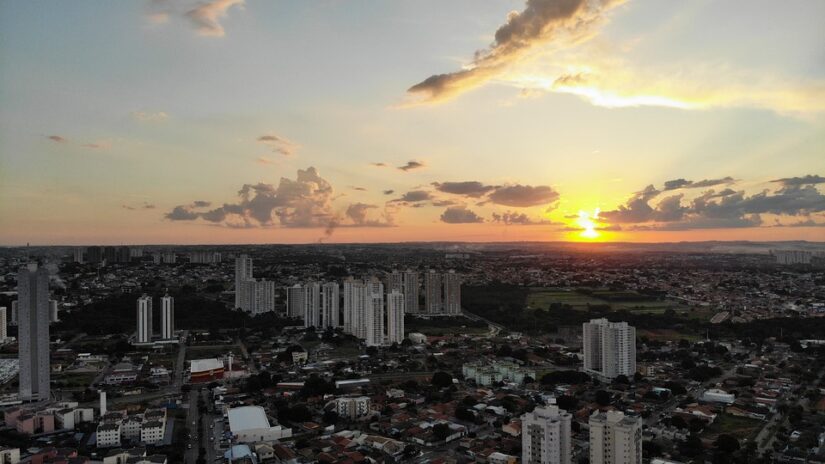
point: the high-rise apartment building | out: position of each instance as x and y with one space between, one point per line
395 317
167 317
312 305
295 301
395 281
3 333
433 303
410 291
353 297
374 316
545 436
33 332
78 255
243 271
452 293
330 297
144 319
14 313
609 348
257 296
615 438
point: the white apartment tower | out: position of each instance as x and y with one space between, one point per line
609 348
545 436
353 304
3 333
374 317
243 271
257 296
312 305
410 291
615 438
432 292
295 301
395 281
33 332
395 317
330 295
167 317
144 319
452 293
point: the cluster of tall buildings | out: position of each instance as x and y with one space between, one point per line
442 291
792 256
614 437
145 316
108 254
609 348
252 295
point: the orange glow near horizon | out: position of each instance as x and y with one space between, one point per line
588 224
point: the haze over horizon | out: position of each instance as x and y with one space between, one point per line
232 121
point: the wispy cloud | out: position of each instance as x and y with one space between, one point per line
150 116
279 144
411 165
57 138
207 16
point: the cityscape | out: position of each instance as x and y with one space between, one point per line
412 232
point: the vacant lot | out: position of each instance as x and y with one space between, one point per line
739 427
542 298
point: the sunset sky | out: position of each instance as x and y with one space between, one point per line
231 121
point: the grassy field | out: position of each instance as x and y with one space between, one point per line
665 335
739 427
81 380
542 298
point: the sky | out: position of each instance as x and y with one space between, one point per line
232 121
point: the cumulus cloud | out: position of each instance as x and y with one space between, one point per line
388 192
723 209
523 196
541 22
410 165
682 183
810 179
460 215
358 213
149 116
278 144
516 218
207 16
472 189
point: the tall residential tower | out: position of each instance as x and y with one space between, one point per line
33 332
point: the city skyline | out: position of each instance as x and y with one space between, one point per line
232 121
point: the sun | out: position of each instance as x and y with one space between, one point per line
586 222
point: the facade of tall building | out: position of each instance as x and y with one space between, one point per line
54 316
609 348
14 313
395 281
312 305
353 293
167 317
330 297
410 291
204 257
395 317
374 318
3 333
295 301
452 293
257 296
144 319
615 438
243 271
433 303
545 436
78 255
33 332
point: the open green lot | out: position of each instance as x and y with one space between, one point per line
542 298
739 427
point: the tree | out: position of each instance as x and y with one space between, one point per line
442 379
726 443
621 380
441 431
603 398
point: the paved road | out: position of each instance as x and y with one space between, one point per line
192 419
494 328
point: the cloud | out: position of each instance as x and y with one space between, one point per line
201 204
144 205
358 216
379 165
682 183
206 17
158 17
265 160
523 196
412 164
810 179
472 189
278 144
149 116
360 189
515 218
57 138
388 192
99 145
181 213
413 196
541 22
460 215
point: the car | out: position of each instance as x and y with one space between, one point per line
189 446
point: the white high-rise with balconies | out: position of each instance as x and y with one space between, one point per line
395 317
374 316
609 348
545 436
410 291
452 293
395 281
167 317
330 296
144 319
3 333
243 271
312 305
295 301
257 296
353 296
433 302
615 438
33 332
